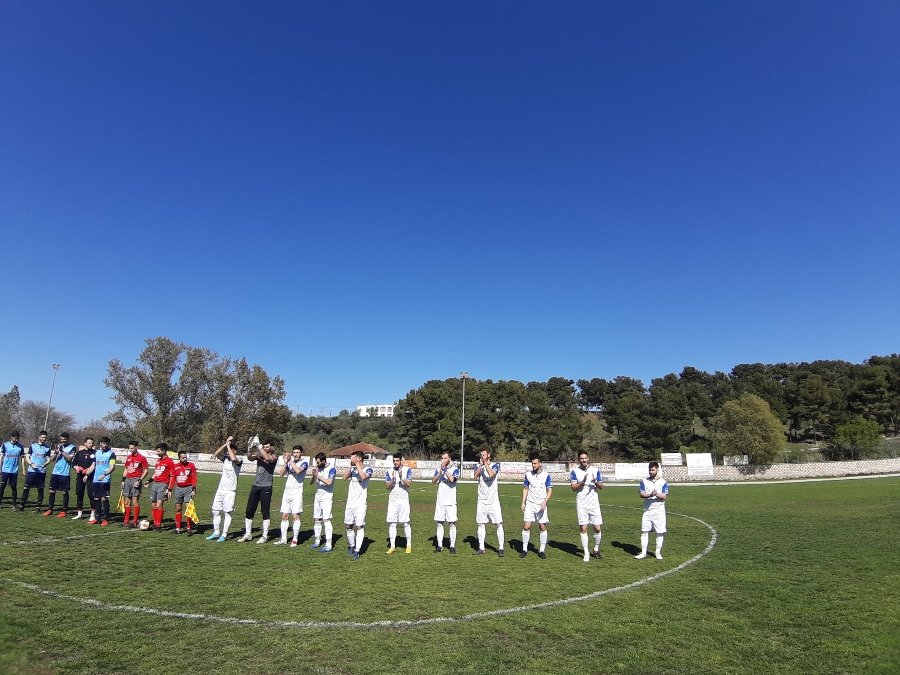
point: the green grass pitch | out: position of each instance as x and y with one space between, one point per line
803 578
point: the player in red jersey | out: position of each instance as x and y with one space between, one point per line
161 484
185 487
136 468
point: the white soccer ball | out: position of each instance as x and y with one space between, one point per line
144 524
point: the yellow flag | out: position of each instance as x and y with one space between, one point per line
122 502
191 512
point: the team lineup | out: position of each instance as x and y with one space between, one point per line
176 481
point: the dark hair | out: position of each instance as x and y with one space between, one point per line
104 439
64 434
357 452
135 443
14 433
398 455
88 438
43 432
535 456
182 452
582 452
298 447
163 447
320 456
652 464
448 453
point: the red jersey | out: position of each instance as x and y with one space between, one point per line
185 474
164 470
135 463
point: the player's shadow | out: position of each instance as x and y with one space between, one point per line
630 549
472 541
565 547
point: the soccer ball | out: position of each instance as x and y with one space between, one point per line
144 524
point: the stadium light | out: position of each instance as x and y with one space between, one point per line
56 368
462 434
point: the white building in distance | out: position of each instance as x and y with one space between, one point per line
380 410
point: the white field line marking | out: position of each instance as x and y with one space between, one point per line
99 604
53 540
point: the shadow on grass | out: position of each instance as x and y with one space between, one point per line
565 547
630 549
472 541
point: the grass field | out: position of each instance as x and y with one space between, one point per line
802 578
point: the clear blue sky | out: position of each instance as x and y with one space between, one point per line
364 196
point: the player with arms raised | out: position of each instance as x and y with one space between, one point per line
223 501
294 468
654 490
585 481
445 477
397 481
322 476
487 507
357 496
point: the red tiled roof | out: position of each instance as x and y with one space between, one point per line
362 447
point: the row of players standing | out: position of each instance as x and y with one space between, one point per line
585 481
94 468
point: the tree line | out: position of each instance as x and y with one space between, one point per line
191 397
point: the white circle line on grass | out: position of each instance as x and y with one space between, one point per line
413 623
54 540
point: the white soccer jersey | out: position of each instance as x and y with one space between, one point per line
538 484
399 492
296 474
587 495
230 472
328 473
487 487
358 492
446 492
654 504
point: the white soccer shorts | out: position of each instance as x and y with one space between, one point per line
224 501
444 512
322 507
355 515
655 521
292 501
398 511
589 515
488 513
532 514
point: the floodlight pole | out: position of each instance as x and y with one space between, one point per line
56 368
462 434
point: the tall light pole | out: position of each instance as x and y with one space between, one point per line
56 368
462 434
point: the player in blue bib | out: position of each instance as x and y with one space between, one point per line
36 459
10 457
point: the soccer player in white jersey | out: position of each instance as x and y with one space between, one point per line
223 502
397 482
487 507
536 492
586 480
294 468
322 476
654 490
445 477
357 494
